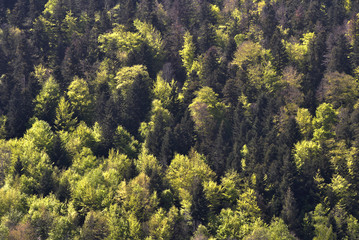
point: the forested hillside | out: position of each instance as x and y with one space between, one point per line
179 119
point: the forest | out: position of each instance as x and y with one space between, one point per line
179 119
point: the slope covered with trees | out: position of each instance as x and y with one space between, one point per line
179 119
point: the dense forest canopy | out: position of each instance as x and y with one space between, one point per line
179 119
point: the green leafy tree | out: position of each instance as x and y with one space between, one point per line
41 135
240 222
162 223
206 108
80 99
126 76
137 198
95 226
188 52
304 120
152 37
323 228
338 89
47 100
91 193
324 122
125 142
64 116
120 44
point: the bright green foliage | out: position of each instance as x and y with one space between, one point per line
340 156
206 107
188 52
231 184
41 135
158 108
137 198
339 89
82 136
42 214
214 194
50 6
297 51
247 205
324 122
250 53
118 167
279 230
125 142
152 37
240 222
72 25
32 166
342 190
148 164
127 75
47 100
260 231
257 60
230 224
30 160
63 228
263 77
95 226
118 225
163 90
122 224
276 231
105 75
41 74
80 98
323 228
184 170
120 42
304 120
84 161
161 224
4 232
91 192
118 65
12 200
64 116
306 152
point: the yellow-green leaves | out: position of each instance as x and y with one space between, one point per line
206 108
50 6
47 100
127 75
249 52
120 40
304 120
188 52
296 51
306 152
339 89
41 135
152 37
64 119
184 170
80 98
253 59
125 142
